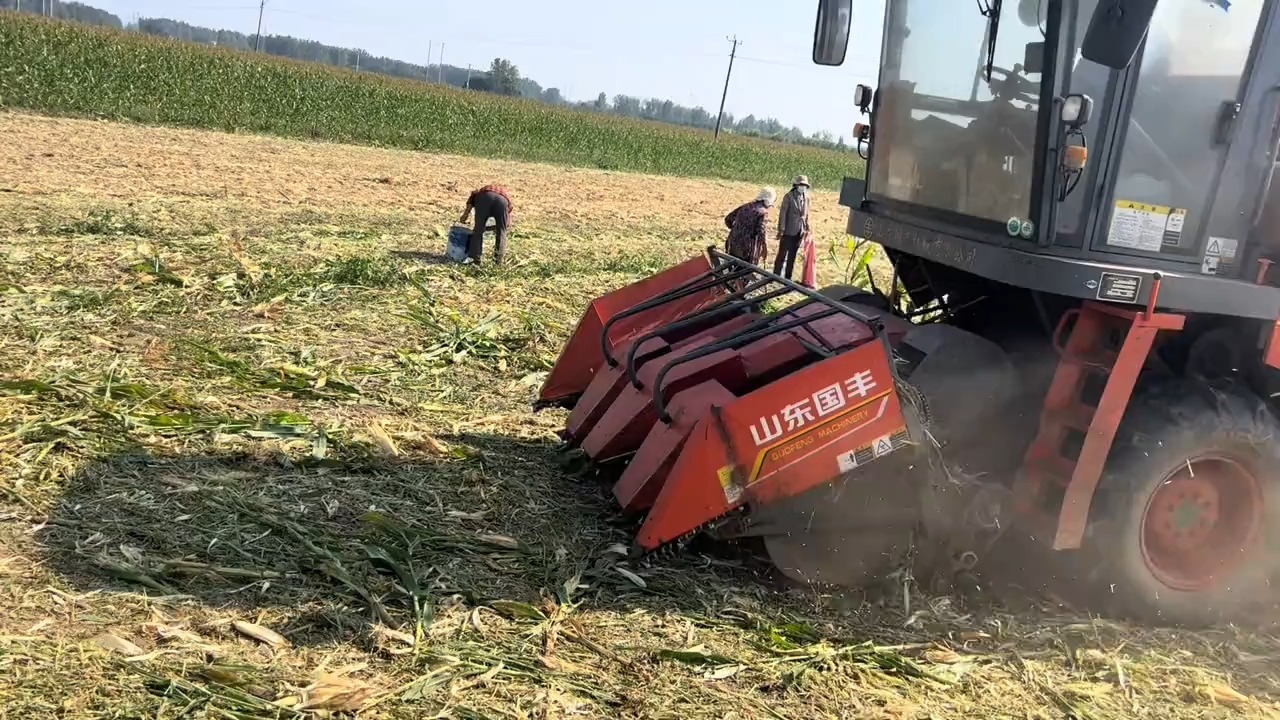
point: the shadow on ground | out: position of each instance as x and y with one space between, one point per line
339 545
330 551
426 258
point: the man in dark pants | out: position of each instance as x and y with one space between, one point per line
490 201
793 223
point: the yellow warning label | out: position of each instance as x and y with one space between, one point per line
1146 227
1143 207
732 493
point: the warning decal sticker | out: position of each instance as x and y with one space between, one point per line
878 448
1140 226
732 490
1217 252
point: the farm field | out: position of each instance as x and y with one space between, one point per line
262 455
69 69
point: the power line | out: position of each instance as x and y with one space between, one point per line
804 66
727 75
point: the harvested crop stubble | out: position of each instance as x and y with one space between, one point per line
262 456
60 67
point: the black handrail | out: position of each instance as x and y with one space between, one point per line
701 282
763 328
731 302
872 320
766 325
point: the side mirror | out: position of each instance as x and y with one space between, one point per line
831 32
1033 58
1116 30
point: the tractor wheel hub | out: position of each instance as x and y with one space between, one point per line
1200 522
1185 511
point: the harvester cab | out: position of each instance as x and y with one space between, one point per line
1079 339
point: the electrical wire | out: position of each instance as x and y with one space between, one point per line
1071 178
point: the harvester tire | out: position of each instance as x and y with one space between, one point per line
1188 506
854 295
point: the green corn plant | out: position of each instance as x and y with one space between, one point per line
65 68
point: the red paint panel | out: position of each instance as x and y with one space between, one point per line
782 440
626 423
1272 358
649 469
582 355
606 386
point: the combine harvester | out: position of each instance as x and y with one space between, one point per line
1090 339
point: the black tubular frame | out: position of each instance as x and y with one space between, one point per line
733 301
702 282
760 329
764 327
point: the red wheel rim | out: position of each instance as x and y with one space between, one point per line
1201 522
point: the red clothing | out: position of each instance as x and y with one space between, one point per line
495 189
747 230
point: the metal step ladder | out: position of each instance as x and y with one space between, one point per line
1104 351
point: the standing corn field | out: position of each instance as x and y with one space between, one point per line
73 69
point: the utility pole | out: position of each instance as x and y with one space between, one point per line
257 39
440 67
732 54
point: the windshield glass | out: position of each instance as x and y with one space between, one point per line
947 137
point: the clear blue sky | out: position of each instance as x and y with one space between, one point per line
672 49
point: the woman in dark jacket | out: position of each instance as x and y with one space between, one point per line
748 228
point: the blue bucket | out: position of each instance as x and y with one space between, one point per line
459 238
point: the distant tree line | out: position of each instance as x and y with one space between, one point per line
78 12
502 76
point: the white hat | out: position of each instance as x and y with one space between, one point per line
767 195
801 180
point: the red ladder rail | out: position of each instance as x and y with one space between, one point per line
1055 489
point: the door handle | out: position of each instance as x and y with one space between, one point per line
1227 115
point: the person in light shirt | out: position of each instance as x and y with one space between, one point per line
793 225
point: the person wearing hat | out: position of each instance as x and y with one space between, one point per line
793 225
748 228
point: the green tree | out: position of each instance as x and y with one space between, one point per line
505 77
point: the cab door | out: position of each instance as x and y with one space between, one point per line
1245 219
1192 95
